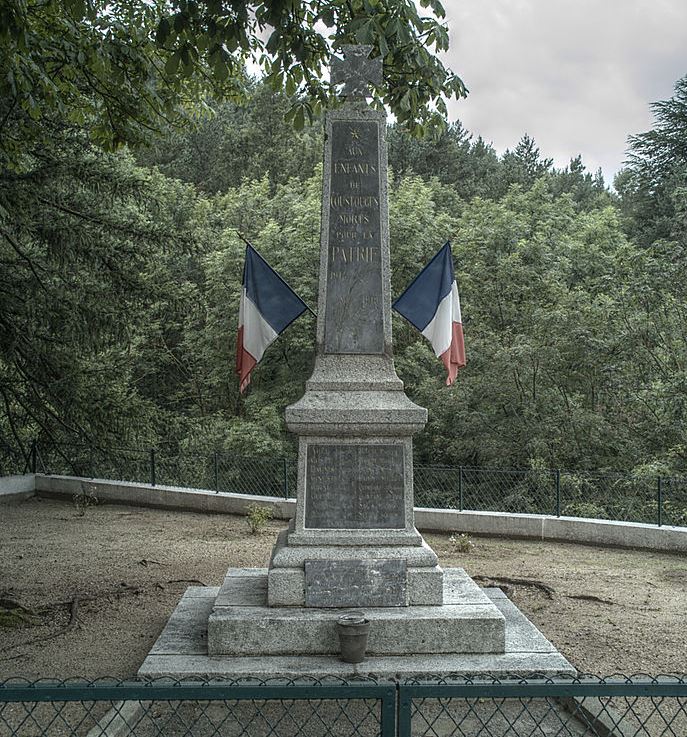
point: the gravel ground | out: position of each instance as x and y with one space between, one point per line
607 610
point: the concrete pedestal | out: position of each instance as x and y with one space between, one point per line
292 578
242 624
181 651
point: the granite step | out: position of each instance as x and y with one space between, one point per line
469 622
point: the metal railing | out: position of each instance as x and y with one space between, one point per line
612 496
170 708
432 707
576 707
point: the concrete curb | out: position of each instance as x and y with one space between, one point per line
598 715
120 721
16 488
531 526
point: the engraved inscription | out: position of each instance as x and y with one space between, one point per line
353 310
354 487
354 583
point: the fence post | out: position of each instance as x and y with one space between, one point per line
659 512
460 488
215 470
152 466
286 478
558 493
405 705
34 454
389 727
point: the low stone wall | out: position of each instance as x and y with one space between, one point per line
564 529
540 527
16 488
163 497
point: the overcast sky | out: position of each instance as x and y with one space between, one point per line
576 75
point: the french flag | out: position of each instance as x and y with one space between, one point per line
268 306
431 303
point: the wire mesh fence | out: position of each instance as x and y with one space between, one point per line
460 706
611 496
12 460
618 706
120 464
483 489
175 709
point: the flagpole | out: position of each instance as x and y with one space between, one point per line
279 276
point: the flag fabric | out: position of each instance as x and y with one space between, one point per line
431 303
268 306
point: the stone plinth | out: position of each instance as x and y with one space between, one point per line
422 578
181 651
242 624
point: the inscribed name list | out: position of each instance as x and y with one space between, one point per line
354 486
353 317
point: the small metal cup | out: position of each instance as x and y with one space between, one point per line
353 631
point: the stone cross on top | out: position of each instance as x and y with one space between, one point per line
357 71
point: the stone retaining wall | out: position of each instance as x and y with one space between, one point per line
532 526
15 488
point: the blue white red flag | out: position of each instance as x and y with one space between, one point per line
268 306
431 303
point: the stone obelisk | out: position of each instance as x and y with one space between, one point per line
352 543
353 540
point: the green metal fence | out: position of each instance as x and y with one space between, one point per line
170 708
433 707
612 496
612 707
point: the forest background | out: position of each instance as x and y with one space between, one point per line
122 275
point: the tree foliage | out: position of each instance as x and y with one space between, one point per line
82 240
297 52
93 65
127 68
653 186
239 142
555 364
122 275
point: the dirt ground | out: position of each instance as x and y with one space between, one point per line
607 610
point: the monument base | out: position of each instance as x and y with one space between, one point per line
242 624
181 651
399 575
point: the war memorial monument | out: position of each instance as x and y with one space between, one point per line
352 544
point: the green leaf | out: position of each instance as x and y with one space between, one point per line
221 69
436 6
405 101
327 17
290 85
365 33
273 41
163 30
180 22
78 8
172 65
383 47
299 119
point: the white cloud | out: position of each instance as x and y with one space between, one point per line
576 75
